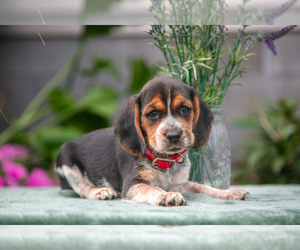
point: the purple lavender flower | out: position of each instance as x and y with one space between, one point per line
279 33
270 15
269 38
155 3
271 46
154 28
221 31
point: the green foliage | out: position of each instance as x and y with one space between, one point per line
96 7
92 31
57 115
71 117
44 143
141 73
101 64
273 156
94 110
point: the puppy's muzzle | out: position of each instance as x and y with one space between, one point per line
173 136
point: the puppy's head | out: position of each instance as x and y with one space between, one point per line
167 116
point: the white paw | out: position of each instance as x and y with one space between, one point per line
103 194
236 194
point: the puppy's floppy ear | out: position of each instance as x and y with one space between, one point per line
202 122
128 130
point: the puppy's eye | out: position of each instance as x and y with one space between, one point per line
185 109
153 114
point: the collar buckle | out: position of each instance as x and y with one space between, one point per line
155 163
165 163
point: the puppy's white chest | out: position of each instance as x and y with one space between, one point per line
167 179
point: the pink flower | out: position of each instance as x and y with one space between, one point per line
1 181
11 182
10 152
14 171
39 178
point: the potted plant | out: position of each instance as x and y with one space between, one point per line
198 56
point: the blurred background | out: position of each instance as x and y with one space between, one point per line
82 76
58 82
108 12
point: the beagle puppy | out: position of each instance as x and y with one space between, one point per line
144 157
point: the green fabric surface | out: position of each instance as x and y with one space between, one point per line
267 205
149 237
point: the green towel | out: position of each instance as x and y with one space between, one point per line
266 205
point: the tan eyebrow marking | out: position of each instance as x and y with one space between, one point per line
179 100
156 103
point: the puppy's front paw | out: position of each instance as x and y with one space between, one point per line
236 194
172 199
103 194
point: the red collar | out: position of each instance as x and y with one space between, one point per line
165 164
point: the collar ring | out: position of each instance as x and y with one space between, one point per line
182 159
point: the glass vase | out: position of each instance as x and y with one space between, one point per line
211 164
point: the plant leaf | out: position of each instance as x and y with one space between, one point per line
278 164
100 65
61 100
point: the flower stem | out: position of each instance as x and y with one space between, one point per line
233 76
177 45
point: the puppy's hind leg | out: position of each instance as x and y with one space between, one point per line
82 186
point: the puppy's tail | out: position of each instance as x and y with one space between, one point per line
63 181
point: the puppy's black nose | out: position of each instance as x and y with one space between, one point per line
173 136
